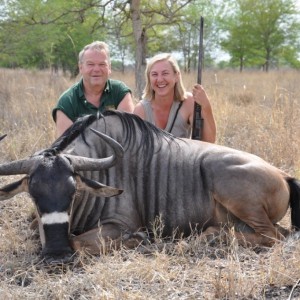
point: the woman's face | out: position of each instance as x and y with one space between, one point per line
163 78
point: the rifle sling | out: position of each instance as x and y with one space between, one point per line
175 116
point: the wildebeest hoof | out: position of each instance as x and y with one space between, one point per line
141 237
211 239
59 260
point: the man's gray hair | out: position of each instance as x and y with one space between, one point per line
98 46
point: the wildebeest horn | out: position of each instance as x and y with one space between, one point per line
15 167
81 163
22 166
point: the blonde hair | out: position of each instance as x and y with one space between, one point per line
179 89
98 46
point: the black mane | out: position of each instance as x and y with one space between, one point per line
73 132
150 133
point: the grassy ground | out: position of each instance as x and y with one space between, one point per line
255 112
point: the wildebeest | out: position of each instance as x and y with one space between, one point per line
190 185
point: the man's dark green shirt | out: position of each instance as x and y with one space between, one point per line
74 104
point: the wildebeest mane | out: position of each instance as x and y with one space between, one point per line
73 132
150 134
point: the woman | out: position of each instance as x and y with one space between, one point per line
166 103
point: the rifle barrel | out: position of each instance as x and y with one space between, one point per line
200 52
197 120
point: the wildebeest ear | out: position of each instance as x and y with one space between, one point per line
96 188
14 188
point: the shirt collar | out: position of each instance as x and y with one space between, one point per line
81 92
107 88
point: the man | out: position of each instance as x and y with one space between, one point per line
95 92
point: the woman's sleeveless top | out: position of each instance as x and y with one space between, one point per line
180 128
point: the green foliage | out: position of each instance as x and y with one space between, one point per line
258 32
50 34
44 34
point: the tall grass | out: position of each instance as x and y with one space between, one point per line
255 112
26 100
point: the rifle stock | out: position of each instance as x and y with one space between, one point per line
197 120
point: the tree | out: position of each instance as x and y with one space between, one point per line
148 20
147 16
45 34
239 43
188 30
258 31
74 22
140 37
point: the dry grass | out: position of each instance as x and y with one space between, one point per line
256 112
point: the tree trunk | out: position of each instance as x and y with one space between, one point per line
241 64
140 43
267 61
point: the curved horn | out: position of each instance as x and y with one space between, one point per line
15 167
93 164
22 166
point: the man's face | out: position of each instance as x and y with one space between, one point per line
95 68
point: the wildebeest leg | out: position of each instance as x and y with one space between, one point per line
259 230
254 194
104 239
251 238
284 232
256 239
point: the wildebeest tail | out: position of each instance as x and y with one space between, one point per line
294 185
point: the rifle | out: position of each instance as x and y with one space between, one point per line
197 120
